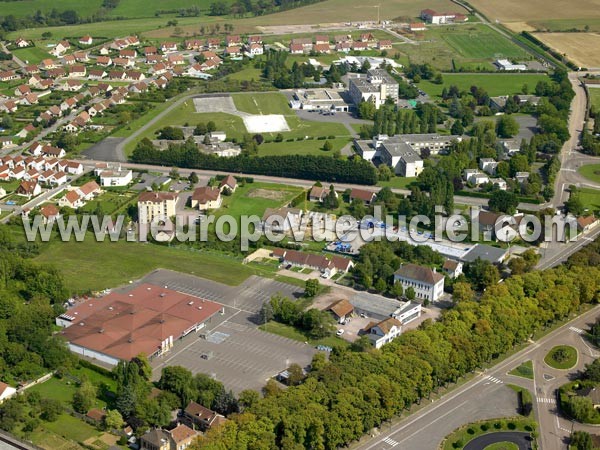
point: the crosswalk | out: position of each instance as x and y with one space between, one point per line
576 330
550 401
390 441
493 380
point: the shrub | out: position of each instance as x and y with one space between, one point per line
471 431
498 425
484 427
512 425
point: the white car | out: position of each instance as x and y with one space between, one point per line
339 332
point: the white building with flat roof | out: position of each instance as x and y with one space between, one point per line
375 87
427 283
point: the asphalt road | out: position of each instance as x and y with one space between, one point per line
522 440
476 399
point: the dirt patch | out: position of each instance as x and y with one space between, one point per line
581 48
517 27
266 194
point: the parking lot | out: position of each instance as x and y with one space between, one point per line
231 348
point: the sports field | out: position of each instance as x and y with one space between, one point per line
481 42
581 48
494 84
268 103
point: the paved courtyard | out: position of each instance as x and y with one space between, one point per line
231 348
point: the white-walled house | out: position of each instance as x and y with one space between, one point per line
383 332
427 283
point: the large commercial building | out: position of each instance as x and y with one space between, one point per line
156 205
119 326
375 87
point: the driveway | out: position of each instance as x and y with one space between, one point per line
523 440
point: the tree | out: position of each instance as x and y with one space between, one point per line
410 293
311 287
248 398
396 290
296 375
211 126
50 409
113 420
457 128
174 173
462 292
581 440
503 202
178 380
84 397
366 110
193 178
327 146
507 126
171 134
200 129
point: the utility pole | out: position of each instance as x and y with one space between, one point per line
377 6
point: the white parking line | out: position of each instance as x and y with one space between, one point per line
494 380
390 441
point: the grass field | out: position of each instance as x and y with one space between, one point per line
592 24
269 103
469 432
247 74
479 42
306 147
566 360
590 198
254 198
494 84
397 183
595 97
31 55
147 8
502 446
292 333
91 265
525 370
26 8
591 172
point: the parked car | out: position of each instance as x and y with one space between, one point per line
339 332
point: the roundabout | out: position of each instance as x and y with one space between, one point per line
503 440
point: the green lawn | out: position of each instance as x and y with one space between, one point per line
398 183
567 24
591 172
56 389
147 8
494 84
566 360
525 370
254 198
247 74
595 97
91 265
70 427
292 333
109 202
306 147
590 198
20 8
268 103
31 55
502 446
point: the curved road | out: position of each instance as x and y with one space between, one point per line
522 440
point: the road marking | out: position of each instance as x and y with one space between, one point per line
390 441
550 401
577 330
494 380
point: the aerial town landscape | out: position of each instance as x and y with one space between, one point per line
299 224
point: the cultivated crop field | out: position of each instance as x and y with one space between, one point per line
581 48
517 13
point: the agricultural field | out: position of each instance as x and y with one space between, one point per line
581 48
31 55
22 8
588 24
494 84
148 8
516 14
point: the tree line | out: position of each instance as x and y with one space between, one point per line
310 167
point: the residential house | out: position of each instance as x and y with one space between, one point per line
322 39
182 437
60 48
521 177
81 56
587 223
317 194
367 197
104 61
359 46
488 165
499 183
29 128
452 268
150 51
71 199
175 60
128 53
9 106
233 40
97 74
50 213
322 48
167 47
254 40
193 44
69 60
296 49
212 43
384 332
232 51
384 44
229 182
206 197
417 26
428 284
116 177
8 75
53 152
6 391
255 49
86 40
6 142
22 43
154 206
29 189
200 418
155 439
22 89
78 70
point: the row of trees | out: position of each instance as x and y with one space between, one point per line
323 168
